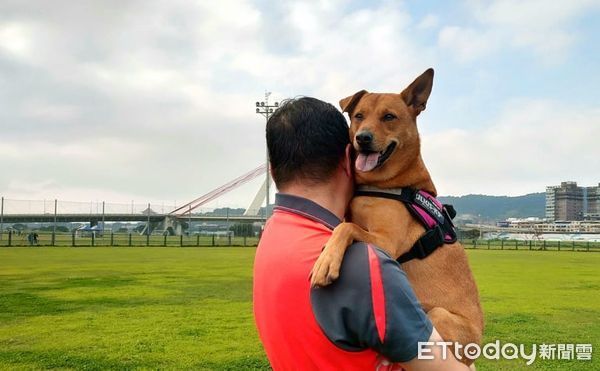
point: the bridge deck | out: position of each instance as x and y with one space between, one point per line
65 218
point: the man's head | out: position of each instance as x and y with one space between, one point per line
308 143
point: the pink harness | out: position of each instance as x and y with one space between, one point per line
428 210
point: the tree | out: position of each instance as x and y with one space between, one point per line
19 226
59 228
242 229
469 234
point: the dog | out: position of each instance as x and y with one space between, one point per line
383 132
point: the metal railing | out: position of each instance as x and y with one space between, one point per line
22 239
44 239
96 208
543 245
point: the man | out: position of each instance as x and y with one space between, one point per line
369 318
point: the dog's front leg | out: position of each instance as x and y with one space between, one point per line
327 267
456 329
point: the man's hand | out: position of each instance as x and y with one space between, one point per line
437 363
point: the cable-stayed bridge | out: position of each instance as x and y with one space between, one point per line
156 216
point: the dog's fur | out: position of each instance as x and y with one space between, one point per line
443 281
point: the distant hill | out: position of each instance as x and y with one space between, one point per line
497 207
225 211
469 207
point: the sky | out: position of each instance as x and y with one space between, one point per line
154 101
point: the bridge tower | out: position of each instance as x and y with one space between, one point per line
254 207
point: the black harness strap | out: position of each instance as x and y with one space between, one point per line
425 245
441 233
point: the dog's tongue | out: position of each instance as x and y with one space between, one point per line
366 162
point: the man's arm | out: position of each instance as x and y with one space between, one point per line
372 305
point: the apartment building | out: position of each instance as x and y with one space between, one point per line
569 202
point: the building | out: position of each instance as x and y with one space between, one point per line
592 208
550 204
570 202
564 202
536 225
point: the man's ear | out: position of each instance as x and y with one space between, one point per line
347 104
348 161
417 93
270 170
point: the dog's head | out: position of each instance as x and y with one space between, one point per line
383 128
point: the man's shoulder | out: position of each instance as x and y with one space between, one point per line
358 247
363 262
371 305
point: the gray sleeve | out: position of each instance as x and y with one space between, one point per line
372 305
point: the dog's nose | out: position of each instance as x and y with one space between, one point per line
364 138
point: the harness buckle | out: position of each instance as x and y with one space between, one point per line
433 239
449 214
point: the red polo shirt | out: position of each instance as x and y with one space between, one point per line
363 321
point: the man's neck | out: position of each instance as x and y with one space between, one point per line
323 195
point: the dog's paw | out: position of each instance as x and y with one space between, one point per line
326 269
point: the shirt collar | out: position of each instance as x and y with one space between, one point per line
306 208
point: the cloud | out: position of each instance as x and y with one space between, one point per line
428 22
336 52
532 144
154 100
15 39
466 44
157 98
546 28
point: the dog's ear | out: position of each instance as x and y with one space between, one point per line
347 104
417 93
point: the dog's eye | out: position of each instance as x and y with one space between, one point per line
389 117
358 116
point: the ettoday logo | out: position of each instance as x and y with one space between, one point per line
496 351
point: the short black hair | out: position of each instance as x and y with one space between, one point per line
306 140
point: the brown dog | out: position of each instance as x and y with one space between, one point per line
384 134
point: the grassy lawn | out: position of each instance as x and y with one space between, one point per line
540 297
119 308
190 308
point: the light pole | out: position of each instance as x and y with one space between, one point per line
263 108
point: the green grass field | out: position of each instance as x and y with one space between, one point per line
190 308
